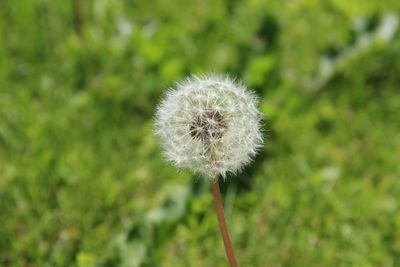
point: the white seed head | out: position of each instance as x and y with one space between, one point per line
209 125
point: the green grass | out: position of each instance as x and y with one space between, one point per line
82 180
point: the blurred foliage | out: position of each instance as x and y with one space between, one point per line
82 180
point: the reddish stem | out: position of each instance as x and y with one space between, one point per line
222 222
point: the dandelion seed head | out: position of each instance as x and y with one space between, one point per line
210 125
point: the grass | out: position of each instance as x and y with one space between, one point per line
82 181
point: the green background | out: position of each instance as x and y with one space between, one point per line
82 180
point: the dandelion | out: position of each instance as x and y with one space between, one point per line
211 126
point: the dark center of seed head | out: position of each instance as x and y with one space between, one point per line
208 125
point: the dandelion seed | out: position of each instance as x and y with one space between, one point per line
209 125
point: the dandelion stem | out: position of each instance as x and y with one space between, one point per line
222 222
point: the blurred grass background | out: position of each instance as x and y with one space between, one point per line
82 181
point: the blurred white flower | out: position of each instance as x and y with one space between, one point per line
209 125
